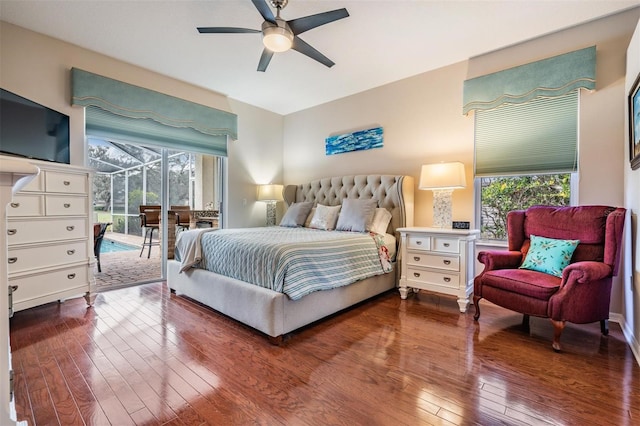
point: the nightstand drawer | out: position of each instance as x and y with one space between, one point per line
433 278
447 245
450 263
418 242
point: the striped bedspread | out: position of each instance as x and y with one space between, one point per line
294 261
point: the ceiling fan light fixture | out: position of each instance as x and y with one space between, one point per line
276 38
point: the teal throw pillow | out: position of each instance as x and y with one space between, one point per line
549 255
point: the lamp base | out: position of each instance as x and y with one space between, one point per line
442 208
271 213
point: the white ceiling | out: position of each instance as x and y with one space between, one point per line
380 42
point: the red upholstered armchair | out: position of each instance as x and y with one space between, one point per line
582 294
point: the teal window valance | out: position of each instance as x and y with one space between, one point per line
551 77
136 114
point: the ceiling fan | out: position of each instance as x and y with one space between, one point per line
279 35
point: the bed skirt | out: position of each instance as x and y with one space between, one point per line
265 310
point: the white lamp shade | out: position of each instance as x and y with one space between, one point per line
443 176
270 192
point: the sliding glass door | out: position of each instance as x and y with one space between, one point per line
128 176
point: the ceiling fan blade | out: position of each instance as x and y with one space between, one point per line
264 10
300 25
225 30
264 60
306 49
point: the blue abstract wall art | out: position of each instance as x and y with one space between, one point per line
356 141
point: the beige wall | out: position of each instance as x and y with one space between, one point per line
630 311
37 67
422 122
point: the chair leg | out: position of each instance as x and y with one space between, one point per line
98 260
604 327
150 243
476 300
525 323
558 326
144 241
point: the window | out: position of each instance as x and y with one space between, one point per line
500 195
526 154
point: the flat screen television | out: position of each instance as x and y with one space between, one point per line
31 130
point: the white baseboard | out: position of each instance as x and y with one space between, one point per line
628 335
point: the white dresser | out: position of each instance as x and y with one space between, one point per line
438 260
13 176
49 237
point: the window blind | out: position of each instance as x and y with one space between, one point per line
537 137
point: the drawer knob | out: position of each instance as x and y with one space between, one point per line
446 262
416 274
419 243
70 228
11 231
416 258
66 183
15 205
447 279
70 252
71 276
12 260
67 205
446 244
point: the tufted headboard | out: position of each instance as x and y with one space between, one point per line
395 193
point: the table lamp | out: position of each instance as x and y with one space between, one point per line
270 194
442 179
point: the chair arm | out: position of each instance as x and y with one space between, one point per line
500 259
584 272
143 219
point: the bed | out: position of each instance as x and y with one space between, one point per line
273 312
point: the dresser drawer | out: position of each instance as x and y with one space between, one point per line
36 184
442 279
35 231
418 242
23 259
63 205
66 182
450 263
42 288
447 245
26 205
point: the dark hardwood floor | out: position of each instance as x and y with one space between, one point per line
144 356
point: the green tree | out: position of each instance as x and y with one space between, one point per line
500 195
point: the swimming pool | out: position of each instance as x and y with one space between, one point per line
110 246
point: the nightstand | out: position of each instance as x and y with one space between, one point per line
438 260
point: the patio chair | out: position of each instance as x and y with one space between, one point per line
98 234
149 221
183 217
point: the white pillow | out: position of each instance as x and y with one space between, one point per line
296 214
356 215
325 217
381 219
307 222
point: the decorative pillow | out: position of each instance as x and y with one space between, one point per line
296 214
307 222
356 215
549 255
381 219
325 217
